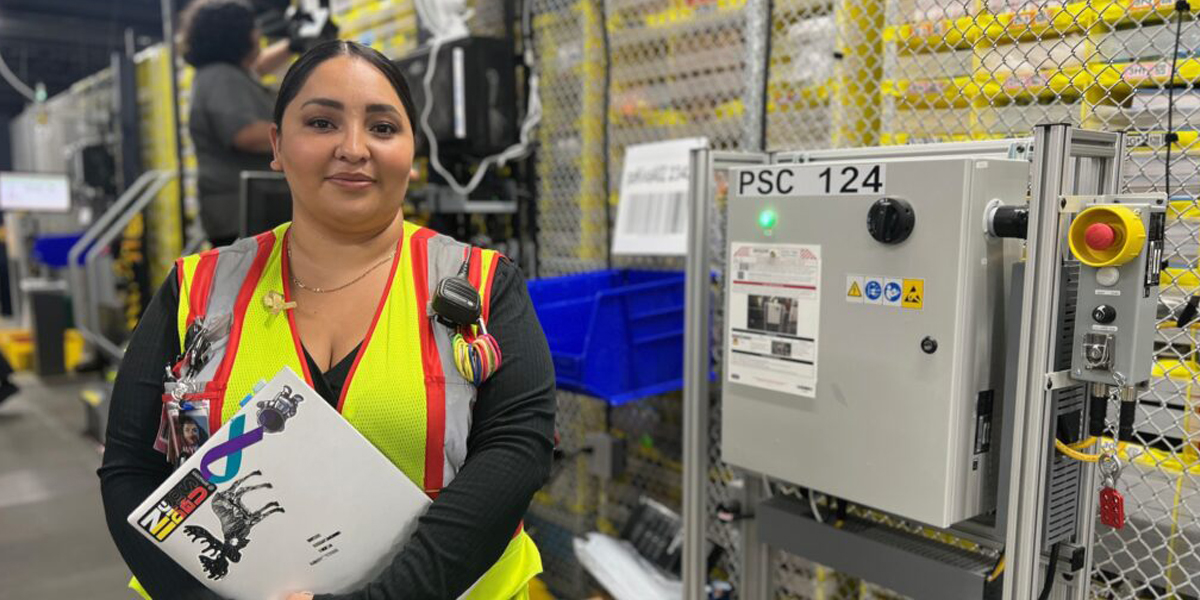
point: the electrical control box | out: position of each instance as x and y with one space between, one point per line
863 329
1118 241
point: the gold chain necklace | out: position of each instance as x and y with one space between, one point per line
318 290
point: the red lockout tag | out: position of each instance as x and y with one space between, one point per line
1112 508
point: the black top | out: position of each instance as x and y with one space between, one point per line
464 531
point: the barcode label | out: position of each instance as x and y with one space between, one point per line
655 214
652 210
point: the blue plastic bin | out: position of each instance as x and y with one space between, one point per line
616 334
52 249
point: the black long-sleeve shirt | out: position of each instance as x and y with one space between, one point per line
464 531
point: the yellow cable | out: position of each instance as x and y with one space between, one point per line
1075 454
997 571
1085 444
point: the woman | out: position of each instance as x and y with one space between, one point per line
343 137
230 117
191 437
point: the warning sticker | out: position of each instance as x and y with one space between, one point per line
892 290
854 285
774 312
885 291
914 294
873 290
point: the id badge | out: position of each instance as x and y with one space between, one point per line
184 427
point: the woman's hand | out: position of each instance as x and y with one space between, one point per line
300 596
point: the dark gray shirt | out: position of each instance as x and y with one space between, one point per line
225 98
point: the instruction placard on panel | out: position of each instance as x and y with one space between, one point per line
774 313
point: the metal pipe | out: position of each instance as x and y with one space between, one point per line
755 562
168 20
757 52
696 344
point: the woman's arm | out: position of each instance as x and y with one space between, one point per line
273 57
132 468
468 527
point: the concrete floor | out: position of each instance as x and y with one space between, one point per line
54 544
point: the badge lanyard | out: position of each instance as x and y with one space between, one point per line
184 422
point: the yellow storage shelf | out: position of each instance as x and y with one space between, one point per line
1126 77
944 34
952 92
1046 21
731 109
1140 12
1184 209
1167 462
1154 141
901 139
1039 85
18 348
783 96
1187 279
683 13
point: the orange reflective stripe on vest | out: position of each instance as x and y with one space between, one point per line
431 364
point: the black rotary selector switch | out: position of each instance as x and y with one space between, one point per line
1104 314
890 220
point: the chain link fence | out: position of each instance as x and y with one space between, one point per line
866 72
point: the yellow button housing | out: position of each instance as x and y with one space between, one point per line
1131 236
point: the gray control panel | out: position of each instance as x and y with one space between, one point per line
1119 244
863 329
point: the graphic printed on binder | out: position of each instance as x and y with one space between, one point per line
236 522
219 551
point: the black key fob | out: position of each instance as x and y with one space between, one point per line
456 302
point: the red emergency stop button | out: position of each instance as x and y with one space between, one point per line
1100 236
1104 235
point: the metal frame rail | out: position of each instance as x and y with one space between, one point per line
697 360
95 240
1067 161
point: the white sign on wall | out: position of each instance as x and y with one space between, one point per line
652 213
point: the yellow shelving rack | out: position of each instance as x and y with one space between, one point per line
158 139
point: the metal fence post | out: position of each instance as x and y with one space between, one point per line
696 361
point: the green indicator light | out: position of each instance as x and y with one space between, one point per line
766 219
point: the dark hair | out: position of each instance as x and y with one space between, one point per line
298 73
185 420
217 31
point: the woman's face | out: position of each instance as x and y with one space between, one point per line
191 434
346 147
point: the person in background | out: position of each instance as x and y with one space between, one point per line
230 115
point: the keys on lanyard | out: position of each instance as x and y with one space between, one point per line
198 341
1112 503
184 424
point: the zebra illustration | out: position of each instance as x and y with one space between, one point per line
236 521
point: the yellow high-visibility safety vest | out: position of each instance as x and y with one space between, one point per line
413 406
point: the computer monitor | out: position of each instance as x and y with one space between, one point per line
266 202
42 192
